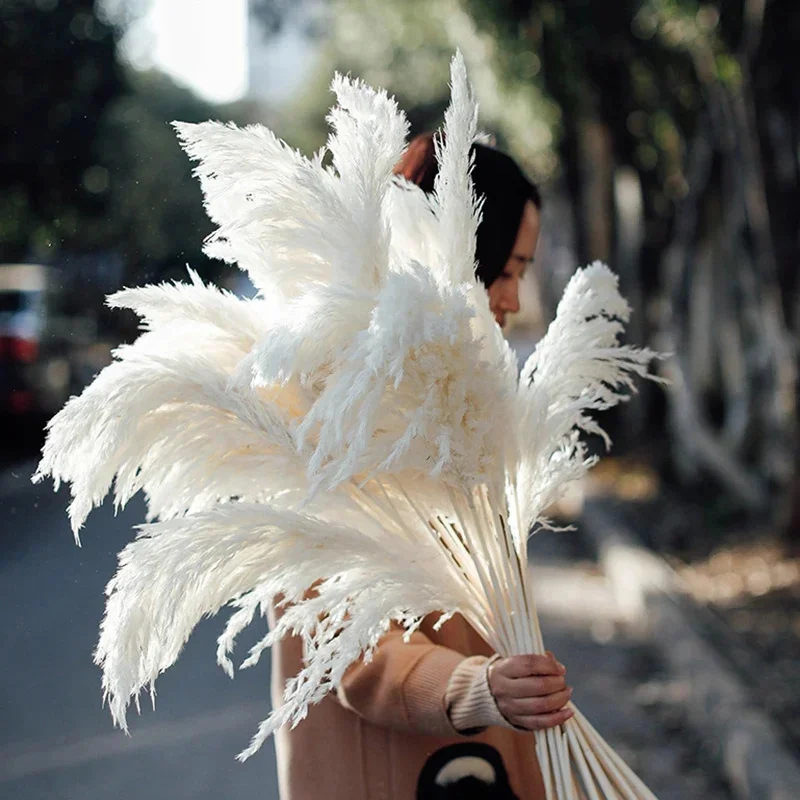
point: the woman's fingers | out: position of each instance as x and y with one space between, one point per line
542 721
531 691
527 665
533 706
533 687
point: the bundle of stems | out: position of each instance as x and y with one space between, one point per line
359 426
576 762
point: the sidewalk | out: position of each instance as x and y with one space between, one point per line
721 707
618 679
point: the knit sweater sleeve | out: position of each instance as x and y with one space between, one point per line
415 686
404 685
422 687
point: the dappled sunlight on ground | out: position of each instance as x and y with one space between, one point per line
624 479
738 572
741 579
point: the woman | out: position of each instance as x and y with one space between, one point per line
509 229
371 740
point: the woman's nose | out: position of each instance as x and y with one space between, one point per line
511 299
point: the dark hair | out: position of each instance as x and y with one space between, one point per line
497 179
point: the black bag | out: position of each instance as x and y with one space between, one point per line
465 771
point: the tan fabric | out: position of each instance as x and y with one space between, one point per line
371 739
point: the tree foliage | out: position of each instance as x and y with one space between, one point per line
89 165
60 74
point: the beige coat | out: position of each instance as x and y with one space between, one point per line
370 740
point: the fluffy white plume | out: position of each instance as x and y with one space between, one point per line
414 384
239 171
578 367
457 204
178 571
358 428
162 417
196 304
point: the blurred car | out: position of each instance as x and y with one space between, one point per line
36 341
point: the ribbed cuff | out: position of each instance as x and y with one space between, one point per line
469 700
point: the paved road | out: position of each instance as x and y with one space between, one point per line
57 742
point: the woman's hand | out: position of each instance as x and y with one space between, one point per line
531 691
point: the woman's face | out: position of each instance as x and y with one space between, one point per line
504 291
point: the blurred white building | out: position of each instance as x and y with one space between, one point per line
277 64
219 50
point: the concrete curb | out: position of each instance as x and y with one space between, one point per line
754 759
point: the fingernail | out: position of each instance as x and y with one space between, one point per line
561 666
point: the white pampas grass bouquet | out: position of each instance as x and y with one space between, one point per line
358 426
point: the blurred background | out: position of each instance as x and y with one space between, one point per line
665 135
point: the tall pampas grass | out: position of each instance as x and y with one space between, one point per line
359 426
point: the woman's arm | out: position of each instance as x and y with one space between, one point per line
421 687
426 688
404 686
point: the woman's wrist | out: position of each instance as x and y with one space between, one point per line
471 706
